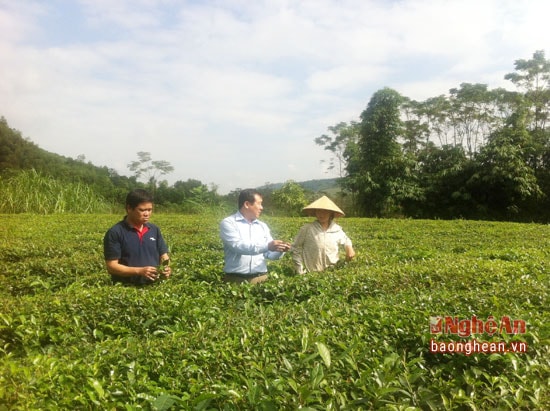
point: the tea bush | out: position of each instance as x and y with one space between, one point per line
355 337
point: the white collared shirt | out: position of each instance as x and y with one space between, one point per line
245 245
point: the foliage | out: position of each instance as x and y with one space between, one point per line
149 169
379 172
190 197
503 178
490 150
290 198
356 337
342 135
505 174
21 154
443 174
533 76
315 186
30 192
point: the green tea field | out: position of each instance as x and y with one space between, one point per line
431 315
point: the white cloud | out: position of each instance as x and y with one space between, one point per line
346 78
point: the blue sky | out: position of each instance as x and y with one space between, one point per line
233 92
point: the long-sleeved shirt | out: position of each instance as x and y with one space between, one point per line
245 245
315 249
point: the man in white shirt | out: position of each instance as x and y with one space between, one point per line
247 241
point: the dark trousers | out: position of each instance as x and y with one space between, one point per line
245 278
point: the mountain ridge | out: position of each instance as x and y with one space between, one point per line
328 185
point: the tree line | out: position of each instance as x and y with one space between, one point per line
24 164
33 180
474 153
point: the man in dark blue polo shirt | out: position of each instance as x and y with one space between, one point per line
134 247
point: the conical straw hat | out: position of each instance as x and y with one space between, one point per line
323 203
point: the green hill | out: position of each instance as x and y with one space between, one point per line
327 185
19 153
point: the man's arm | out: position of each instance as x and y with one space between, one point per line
276 248
115 268
297 250
231 237
165 263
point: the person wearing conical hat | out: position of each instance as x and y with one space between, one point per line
317 245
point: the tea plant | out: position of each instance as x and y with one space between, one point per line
355 337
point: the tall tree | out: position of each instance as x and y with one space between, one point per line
147 168
533 77
443 172
342 134
435 112
503 180
379 173
472 115
416 132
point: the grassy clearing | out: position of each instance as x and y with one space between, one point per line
356 337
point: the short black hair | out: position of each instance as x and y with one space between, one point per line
138 196
248 194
